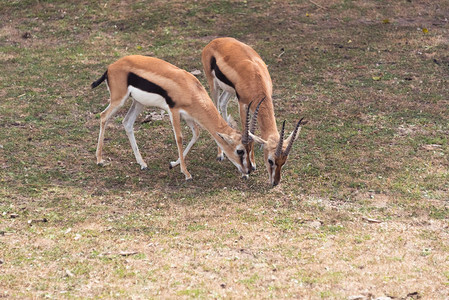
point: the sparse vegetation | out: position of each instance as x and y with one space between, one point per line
362 208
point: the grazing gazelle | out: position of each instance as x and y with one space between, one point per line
154 82
237 69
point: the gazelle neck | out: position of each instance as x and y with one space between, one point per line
266 120
210 119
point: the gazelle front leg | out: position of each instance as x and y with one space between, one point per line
195 134
176 123
128 122
104 118
250 149
222 105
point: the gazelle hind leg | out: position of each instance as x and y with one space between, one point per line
176 123
195 134
105 115
223 105
215 90
128 122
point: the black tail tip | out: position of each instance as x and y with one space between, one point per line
99 81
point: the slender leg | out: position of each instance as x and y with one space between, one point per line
176 122
104 118
215 89
128 122
222 106
195 134
242 111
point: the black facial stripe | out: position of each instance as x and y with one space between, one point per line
150 87
218 73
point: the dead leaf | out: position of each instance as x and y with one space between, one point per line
377 78
414 295
68 273
425 30
43 220
128 253
371 220
431 147
357 297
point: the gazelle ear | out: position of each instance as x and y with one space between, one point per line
226 138
291 136
257 139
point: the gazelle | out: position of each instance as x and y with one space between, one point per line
236 69
154 82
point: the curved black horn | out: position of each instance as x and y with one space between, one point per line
281 142
290 144
245 136
252 128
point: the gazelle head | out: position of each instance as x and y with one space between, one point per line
237 146
276 152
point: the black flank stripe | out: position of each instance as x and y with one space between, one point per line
218 73
150 87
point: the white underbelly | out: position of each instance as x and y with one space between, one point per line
148 99
222 85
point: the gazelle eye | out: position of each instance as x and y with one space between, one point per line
240 152
271 162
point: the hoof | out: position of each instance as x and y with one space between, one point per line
245 176
170 166
100 163
143 168
189 178
220 158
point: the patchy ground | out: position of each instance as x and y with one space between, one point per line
362 209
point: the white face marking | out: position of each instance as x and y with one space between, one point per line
148 99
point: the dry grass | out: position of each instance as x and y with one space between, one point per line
363 205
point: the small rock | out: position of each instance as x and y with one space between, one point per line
1 262
383 298
223 285
13 215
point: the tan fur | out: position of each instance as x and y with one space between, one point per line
190 99
249 74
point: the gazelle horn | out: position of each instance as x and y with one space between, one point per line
290 144
254 119
245 136
281 142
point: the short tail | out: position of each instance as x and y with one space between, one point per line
99 81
